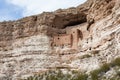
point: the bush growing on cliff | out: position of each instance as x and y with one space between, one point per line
59 75
95 74
116 62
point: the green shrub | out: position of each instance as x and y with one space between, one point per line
30 78
118 73
105 67
81 77
116 62
59 75
95 73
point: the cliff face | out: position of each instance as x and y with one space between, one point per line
27 45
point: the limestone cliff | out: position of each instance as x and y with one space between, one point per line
27 46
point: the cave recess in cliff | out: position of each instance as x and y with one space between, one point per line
62 22
73 23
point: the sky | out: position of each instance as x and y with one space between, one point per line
16 9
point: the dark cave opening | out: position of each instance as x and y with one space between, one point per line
74 23
62 22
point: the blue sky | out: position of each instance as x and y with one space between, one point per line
15 9
9 11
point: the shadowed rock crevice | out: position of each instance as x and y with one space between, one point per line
73 23
64 21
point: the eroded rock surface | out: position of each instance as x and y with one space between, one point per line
26 45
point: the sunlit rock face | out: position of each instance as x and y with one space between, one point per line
27 45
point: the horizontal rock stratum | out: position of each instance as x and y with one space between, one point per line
61 39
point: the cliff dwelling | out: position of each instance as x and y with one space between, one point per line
70 39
